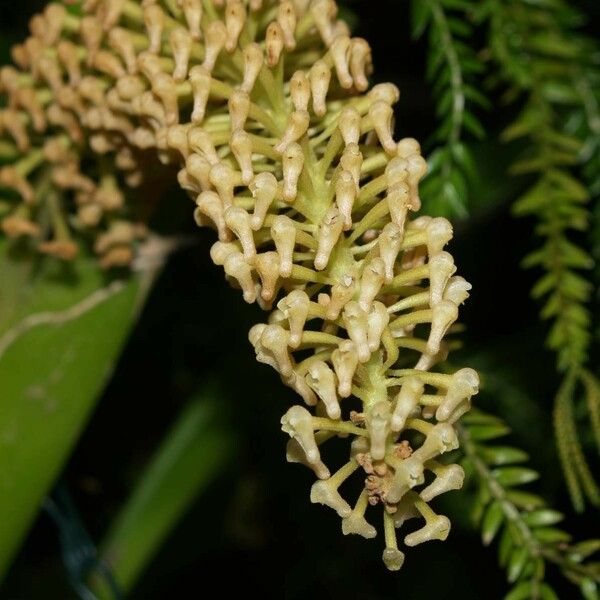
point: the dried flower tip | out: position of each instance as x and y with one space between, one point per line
264 190
297 126
382 116
441 268
295 307
267 267
320 78
407 400
235 19
154 19
283 233
253 62
345 360
292 164
436 528
341 293
372 279
447 478
349 125
192 11
241 146
210 204
321 380
239 107
360 63
356 324
200 81
181 46
464 385
356 523
63 249
214 39
326 492
237 267
345 196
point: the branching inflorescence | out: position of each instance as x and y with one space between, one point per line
266 108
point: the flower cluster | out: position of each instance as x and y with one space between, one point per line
266 109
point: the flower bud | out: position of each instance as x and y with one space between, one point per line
349 125
356 523
464 385
238 220
199 168
444 314
321 380
457 290
323 13
377 321
264 191
300 90
154 19
341 293
214 40
210 204
441 268
360 63
382 116
286 17
345 360
378 425
340 53
440 439
253 62
295 307
297 126
292 163
299 385
237 267
192 11
351 161
372 279
274 341
437 528
283 232
200 80
356 324
407 147
235 19
199 141
447 478
222 178
239 106
345 195
407 400
241 147
297 423
320 77
267 267
409 473
181 47
274 43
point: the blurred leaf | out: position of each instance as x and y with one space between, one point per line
61 331
192 453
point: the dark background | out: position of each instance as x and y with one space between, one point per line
256 521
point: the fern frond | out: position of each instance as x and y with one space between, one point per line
526 528
452 69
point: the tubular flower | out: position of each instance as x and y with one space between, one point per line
265 109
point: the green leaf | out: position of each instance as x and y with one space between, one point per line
551 535
510 476
547 593
492 521
582 550
481 433
191 455
420 14
516 564
524 500
522 591
546 516
589 589
61 331
502 455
